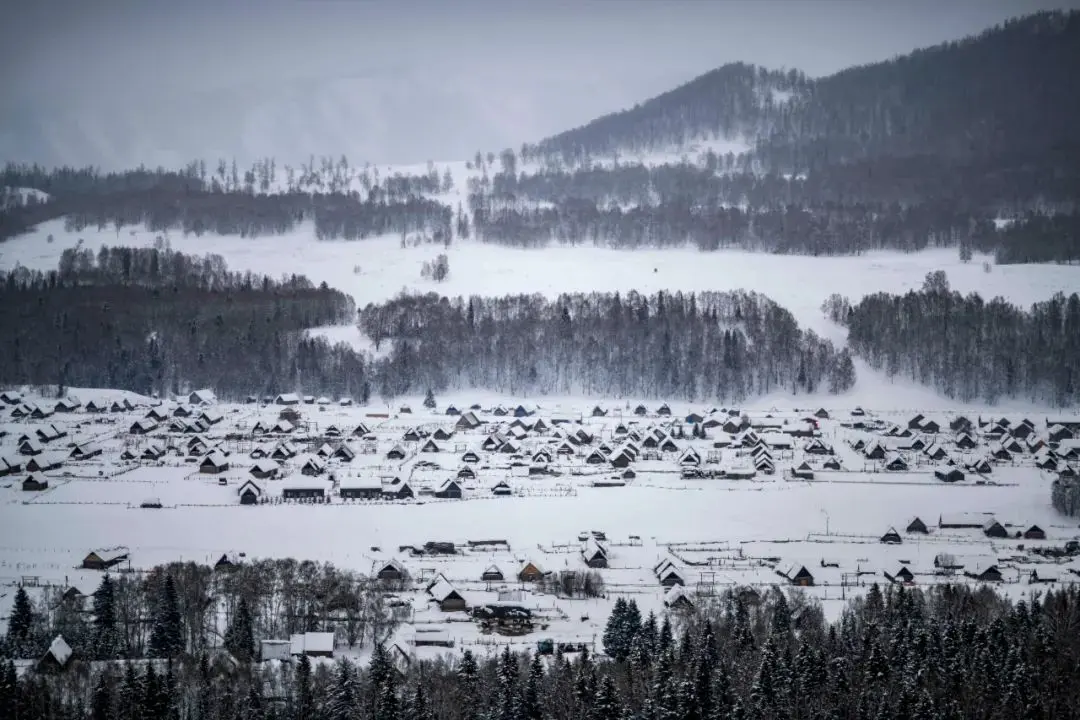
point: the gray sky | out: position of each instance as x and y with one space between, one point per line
117 83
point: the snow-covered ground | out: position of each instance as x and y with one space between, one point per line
719 532
797 282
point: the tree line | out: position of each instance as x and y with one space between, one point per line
901 653
187 609
192 201
969 348
722 346
154 320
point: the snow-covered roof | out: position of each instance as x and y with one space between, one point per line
441 589
312 642
60 650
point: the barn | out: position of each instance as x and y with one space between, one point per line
594 554
917 525
104 559
449 490
391 571
901 575
797 574
361 489
304 489
443 593
264 469
891 537
35 482
214 463
530 572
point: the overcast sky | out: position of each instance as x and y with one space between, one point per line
117 83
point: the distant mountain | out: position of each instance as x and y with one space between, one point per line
1010 94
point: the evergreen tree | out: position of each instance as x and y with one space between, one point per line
429 400
129 702
532 706
167 632
240 635
344 694
469 685
20 626
387 705
304 699
508 703
615 641
607 701
9 690
106 638
417 707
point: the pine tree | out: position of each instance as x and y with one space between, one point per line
607 701
106 639
507 679
344 694
469 683
9 690
417 707
167 632
152 695
666 639
129 701
429 400
240 635
20 626
614 638
531 703
380 675
304 698
387 705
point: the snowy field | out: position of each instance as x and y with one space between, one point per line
719 532
798 283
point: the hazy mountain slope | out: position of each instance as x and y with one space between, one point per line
1010 92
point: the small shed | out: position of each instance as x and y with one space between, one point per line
949 474
313 644
391 570
446 595
492 574
35 482
530 572
214 463
1032 533
104 559
993 528
891 537
917 525
449 490
797 574
249 493
275 650
264 469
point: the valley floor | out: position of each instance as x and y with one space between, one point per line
719 533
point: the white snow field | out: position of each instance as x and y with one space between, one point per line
720 532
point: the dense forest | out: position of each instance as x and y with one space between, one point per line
946 652
969 348
924 149
720 346
261 201
155 320
1007 93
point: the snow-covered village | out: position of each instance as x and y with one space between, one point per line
521 361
